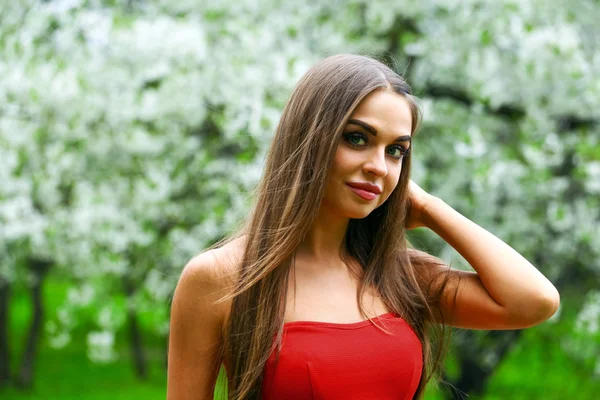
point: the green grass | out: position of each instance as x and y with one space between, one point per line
536 368
67 373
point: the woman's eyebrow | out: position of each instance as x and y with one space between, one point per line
373 131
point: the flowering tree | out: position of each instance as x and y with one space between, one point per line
511 138
134 148
132 132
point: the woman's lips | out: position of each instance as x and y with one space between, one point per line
364 194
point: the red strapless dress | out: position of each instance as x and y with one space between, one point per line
329 361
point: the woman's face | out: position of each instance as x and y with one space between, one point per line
370 151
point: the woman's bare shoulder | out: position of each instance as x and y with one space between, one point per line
198 319
214 271
218 265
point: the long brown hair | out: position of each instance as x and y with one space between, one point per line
287 200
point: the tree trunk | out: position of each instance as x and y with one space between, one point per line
4 348
166 354
166 359
39 270
475 374
135 335
137 348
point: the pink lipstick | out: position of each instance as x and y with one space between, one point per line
366 191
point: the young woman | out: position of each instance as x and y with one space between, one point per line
318 295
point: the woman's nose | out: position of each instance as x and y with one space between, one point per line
376 164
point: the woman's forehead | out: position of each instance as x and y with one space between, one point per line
387 112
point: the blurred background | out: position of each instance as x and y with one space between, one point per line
132 132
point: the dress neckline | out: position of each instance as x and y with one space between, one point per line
338 325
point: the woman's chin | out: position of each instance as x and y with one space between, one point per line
352 211
359 214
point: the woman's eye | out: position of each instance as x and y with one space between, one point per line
398 151
355 139
360 140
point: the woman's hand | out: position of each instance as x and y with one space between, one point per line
417 201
